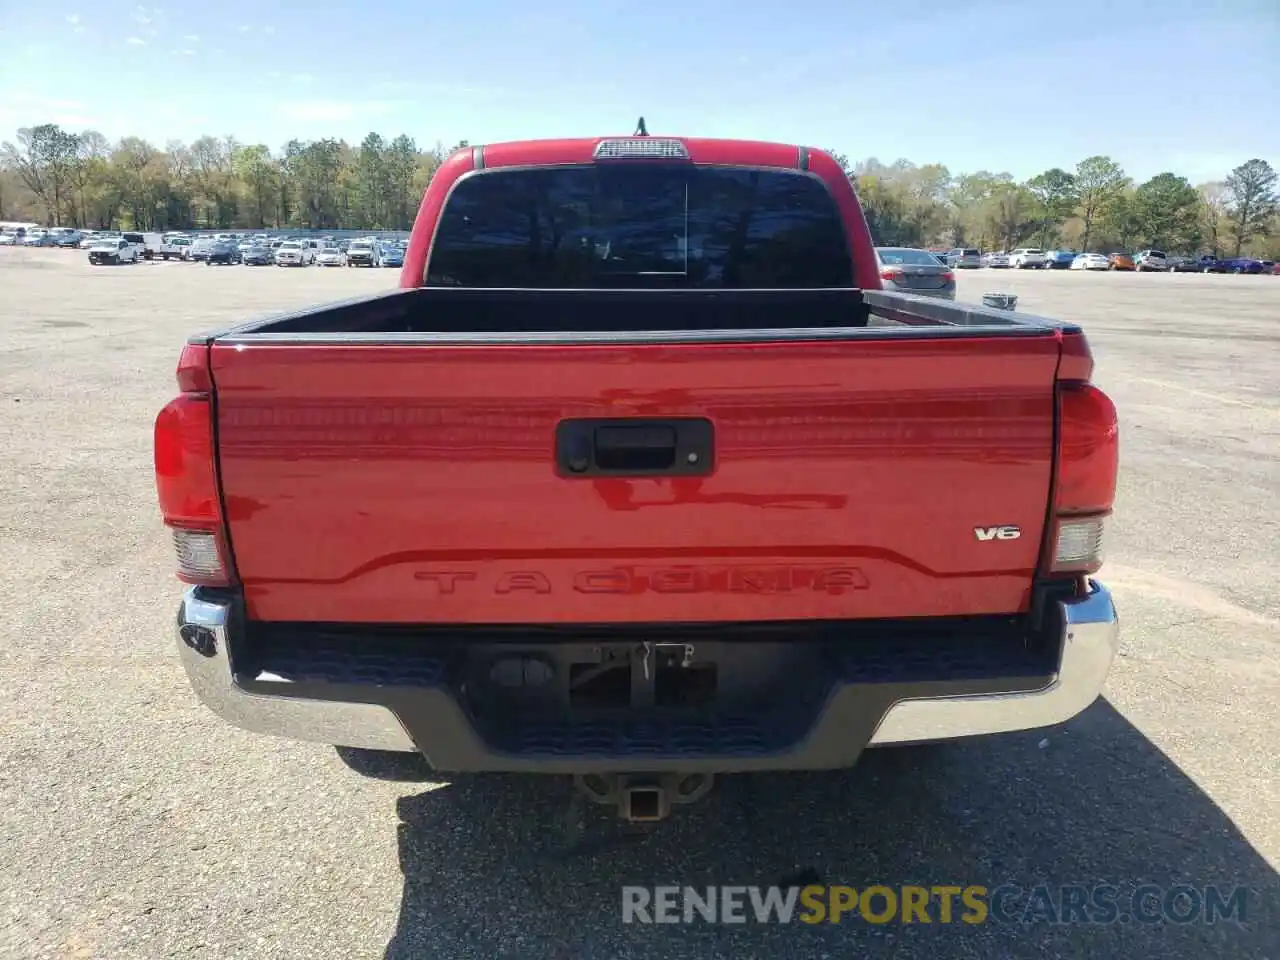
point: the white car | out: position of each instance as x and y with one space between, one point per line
294 253
1153 260
1091 261
364 253
331 257
1027 258
996 261
113 250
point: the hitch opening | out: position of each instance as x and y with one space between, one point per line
645 804
644 799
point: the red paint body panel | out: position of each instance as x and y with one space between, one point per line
414 483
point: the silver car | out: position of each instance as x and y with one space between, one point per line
907 270
965 258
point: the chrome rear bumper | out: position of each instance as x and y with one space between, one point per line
1089 644
205 621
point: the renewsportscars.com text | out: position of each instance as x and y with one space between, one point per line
973 904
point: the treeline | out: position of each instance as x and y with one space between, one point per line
1095 206
58 177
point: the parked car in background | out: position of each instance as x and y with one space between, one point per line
1026 258
176 246
964 258
1236 265
331 257
1183 264
223 251
364 253
200 249
113 250
66 237
1059 259
998 261
908 270
150 245
257 255
1091 261
38 238
393 255
294 253
1119 261
1151 261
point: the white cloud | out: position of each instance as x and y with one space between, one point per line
191 37
268 30
73 19
244 28
333 111
137 41
302 77
187 52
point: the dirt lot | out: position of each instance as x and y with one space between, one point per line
135 824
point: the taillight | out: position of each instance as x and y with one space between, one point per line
1088 460
948 277
186 482
891 273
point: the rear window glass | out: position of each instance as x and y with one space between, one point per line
970 253
640 225
907 256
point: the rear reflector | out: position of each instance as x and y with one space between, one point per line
641 148
199 559
1078 546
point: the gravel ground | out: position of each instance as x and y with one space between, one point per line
137 825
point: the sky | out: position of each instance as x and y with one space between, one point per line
1191 87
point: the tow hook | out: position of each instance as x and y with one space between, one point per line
644 798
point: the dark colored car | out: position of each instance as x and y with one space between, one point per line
1060 259
257 255
223 251
1183 265
393 256
1236 265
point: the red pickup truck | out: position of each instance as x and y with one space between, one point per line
640 477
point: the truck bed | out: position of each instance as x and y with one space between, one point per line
470 315
402 459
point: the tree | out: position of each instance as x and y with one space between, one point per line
260 179
1252 202
1098 180
1055 194
1118 220
44 157
1167 213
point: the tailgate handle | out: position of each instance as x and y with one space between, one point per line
643 448
634 447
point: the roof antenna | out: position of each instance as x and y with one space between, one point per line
641 130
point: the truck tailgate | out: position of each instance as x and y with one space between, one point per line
857 478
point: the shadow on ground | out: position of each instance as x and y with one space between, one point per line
489 872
